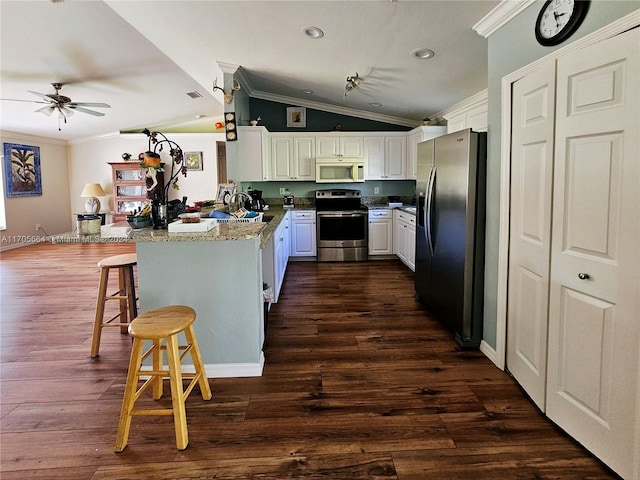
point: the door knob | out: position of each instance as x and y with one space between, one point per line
583 276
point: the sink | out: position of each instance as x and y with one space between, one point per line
267 218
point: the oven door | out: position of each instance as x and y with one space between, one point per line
342 229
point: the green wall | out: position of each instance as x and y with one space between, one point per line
511 47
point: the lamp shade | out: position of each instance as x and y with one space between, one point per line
91 191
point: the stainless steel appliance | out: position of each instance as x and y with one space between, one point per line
450 189
342 227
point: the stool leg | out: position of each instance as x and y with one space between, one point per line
157 366
128 303
177 393
122 286
129 395
97 324
133 300
205 390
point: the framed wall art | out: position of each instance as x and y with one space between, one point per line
22 170
296 117
193 160
225 190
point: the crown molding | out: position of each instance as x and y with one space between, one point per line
500 15
227 67
473 101
23 137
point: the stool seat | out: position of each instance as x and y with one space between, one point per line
123 260
125 295
162 322
162 326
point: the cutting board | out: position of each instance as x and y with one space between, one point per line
204 225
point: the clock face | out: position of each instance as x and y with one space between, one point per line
229 116
231 126
231 135
558 19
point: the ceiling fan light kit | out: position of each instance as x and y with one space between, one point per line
63 104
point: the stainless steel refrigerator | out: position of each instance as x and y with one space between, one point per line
450 190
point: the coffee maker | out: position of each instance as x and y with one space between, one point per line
257 203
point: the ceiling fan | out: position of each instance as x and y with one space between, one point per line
63 105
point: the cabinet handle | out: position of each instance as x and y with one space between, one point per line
583 276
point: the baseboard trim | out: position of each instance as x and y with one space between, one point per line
490 353
225 370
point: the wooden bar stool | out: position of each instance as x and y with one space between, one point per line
162 327
125 295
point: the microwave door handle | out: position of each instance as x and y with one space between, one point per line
427 210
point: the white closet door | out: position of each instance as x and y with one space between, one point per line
594 324
532 133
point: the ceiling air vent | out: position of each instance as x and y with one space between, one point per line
194 94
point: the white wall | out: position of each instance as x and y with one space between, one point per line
51 209
89 163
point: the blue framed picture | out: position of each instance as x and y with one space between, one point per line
22 170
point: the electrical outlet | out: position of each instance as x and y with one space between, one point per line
38 227
283 190
376 190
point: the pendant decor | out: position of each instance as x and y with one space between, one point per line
163 211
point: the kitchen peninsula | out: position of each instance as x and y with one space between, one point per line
219 274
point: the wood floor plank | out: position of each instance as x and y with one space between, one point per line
360 382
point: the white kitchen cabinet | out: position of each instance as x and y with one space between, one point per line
404 241
385 157
471 113
253 154
417 135
292 158
281 239
380 231
303 233
338 145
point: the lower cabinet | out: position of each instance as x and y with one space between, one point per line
303 233
275 256
404 242
380 231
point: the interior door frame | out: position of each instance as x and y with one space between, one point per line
631 20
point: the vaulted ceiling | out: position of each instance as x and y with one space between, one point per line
144 58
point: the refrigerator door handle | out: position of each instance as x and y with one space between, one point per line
427 210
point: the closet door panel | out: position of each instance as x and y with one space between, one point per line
592 388
530 230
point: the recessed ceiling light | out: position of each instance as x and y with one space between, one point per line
313 32
308 92
375 104
422 53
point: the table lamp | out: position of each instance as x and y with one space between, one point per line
91 191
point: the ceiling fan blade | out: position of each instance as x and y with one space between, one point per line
41 95
48 110
20 100
88 104
86 110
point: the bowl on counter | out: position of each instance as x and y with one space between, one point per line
137 221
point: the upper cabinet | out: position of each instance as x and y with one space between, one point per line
339 145
472 113
253 154
385 157
292 157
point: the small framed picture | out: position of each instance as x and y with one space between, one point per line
296 117
193 160
225 190
22 170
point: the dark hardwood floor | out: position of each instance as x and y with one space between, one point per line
359 383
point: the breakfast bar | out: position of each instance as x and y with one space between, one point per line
219 275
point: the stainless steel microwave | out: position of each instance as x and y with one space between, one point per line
339 170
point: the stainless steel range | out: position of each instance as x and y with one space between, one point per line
342 227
